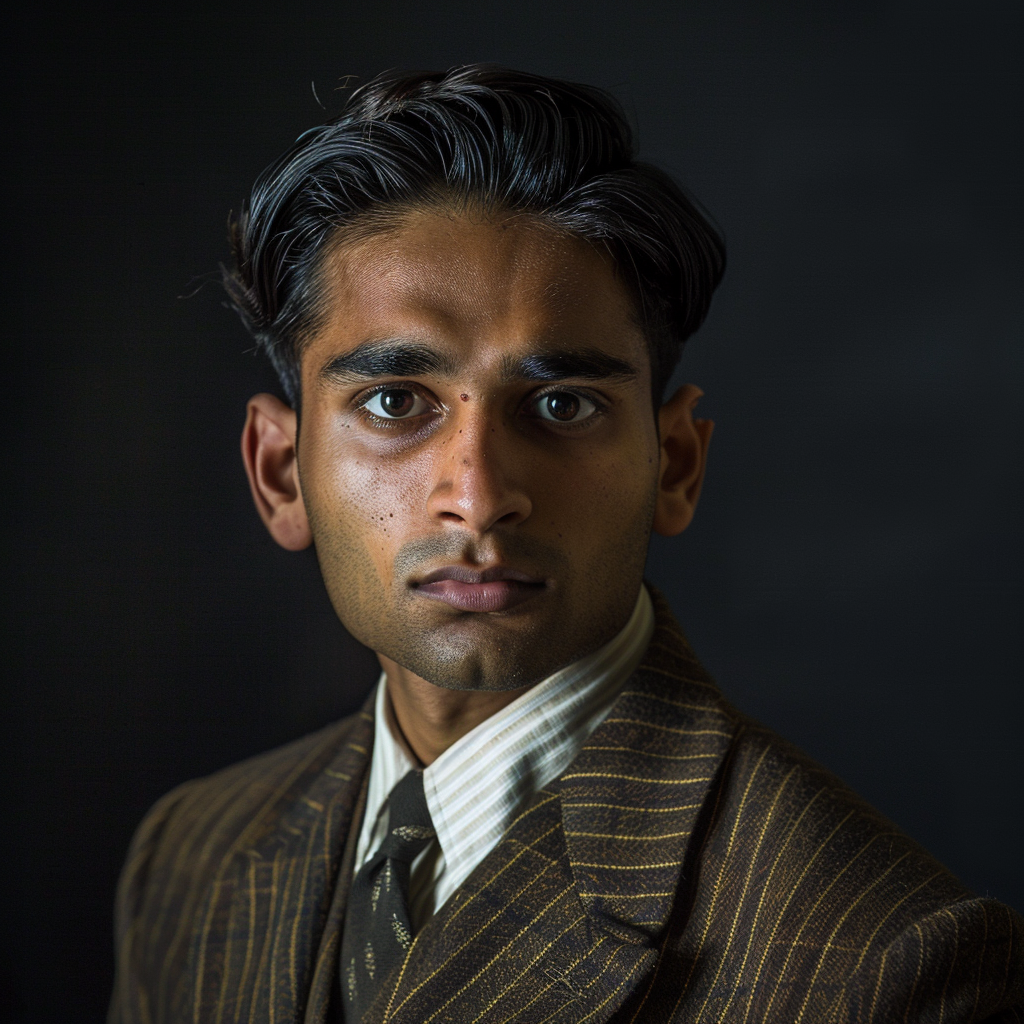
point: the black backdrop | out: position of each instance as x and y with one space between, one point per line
853 577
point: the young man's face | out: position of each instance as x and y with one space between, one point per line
478 454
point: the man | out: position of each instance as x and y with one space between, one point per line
474 297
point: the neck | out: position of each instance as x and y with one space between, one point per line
432 718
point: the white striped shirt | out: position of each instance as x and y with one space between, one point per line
476 788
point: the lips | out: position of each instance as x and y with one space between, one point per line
471 590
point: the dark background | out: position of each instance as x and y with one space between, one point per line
853 577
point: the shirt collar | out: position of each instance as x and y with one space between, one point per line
478 785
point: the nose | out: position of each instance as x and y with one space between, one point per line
477 477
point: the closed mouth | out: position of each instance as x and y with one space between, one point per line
494 589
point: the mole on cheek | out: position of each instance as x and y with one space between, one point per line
465 398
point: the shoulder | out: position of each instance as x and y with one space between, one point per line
187 834
774 821
847 914
222 805
814 906
188 840
799 900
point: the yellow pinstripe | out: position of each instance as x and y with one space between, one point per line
739 905
917 976
275 954
817 903
222 992
653 753
614 992
718 881
626 867
878 987
629 839
635 778
490 882
183 855
522 931
674 730
1009 952
261 964
952 964
628 895
639 810
866 948
746 881
292 972
241 843
981 961
707 706
839 924
388 1013
247 962
792 890
520 1010
604 970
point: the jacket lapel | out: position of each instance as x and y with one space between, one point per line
561 922
266 931
631 798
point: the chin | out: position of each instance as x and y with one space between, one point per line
492 663
452 667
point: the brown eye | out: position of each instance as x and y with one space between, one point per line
396 404
564 407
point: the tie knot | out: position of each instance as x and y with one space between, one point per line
409 824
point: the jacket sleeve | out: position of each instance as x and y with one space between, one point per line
128 1004
960 964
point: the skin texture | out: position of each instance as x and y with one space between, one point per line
431 446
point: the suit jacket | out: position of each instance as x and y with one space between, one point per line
689 866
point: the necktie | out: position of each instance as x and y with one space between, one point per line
377 930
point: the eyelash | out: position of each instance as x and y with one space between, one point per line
380 421
600 407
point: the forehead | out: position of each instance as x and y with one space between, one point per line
474 284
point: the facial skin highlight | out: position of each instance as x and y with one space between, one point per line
479 465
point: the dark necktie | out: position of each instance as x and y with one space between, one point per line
377 929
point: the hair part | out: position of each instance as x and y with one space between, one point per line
476 136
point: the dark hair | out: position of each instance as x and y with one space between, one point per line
476 134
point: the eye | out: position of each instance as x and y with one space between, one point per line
396 404
564 407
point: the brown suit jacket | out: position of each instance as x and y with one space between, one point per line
689 866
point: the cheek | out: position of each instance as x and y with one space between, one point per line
592 501
360 503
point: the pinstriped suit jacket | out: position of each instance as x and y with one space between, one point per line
689 866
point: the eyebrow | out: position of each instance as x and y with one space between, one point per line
397 358
570 364
388 358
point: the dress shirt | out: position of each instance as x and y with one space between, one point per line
481 782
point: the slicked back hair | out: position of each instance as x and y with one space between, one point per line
478 135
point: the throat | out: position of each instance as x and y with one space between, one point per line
429 718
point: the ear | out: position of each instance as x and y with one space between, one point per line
684 453
268 451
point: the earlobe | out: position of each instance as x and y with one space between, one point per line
269 454
684 451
